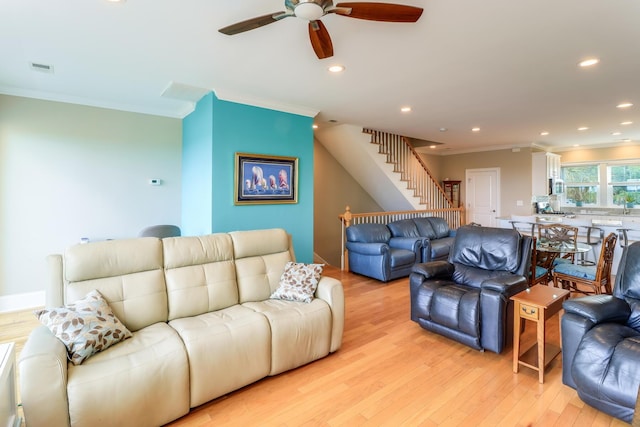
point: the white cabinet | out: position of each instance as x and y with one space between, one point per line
544 166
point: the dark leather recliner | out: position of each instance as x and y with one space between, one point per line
373 252
437 237
467 298
601 342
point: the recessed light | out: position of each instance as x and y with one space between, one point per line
405 109
626 123
583 128
544 133
626 140
624 105
432 146
576 145
336 68
616 133
315 126
475 130
589 62
443 129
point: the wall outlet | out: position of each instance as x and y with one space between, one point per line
155 181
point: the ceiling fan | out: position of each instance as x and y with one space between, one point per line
313 10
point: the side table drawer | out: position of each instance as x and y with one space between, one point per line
529 311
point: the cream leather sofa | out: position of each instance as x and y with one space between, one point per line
202 322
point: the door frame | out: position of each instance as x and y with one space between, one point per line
467 199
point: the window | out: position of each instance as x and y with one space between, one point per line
614 184
582 184
624 184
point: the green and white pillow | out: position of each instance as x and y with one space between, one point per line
86 327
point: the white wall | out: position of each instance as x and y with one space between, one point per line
69 171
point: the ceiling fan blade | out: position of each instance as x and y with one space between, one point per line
387 12
320 39
252 24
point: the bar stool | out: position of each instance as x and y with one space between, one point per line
595 236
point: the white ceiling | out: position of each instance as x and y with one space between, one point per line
506 66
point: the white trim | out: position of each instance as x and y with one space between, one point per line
21 301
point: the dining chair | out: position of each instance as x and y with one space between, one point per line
595 278
541 265
160 231
559 233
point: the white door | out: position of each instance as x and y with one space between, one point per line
482 201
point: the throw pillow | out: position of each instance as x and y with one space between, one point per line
85 327
298 282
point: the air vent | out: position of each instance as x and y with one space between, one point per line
43 68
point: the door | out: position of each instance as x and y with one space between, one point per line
482 196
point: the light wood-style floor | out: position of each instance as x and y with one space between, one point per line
390 372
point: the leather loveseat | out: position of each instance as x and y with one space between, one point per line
467 298
437 237
601 342
374 252
202 321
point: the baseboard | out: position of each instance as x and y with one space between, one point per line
19 302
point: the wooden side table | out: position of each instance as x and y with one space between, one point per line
537 304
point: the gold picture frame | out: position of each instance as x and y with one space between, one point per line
265 179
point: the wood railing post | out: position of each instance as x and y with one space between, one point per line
346 222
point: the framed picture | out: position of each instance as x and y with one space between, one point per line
265 179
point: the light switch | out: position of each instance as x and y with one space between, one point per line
519 203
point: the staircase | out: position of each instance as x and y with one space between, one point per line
386 166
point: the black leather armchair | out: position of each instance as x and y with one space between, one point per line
467 298
601 342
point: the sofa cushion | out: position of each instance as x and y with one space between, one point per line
298 282
404 228
440 248
368 233
440 226
200 274
300 333
487 248
86 327
143 381
227 348
127 272
605 366
425 229
260 257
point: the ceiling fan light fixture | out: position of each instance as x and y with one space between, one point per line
309 11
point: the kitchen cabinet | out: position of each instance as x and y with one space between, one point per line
452 190
544 166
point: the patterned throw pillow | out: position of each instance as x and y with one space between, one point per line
298 282
85 327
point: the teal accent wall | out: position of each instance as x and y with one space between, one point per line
197 162
238 128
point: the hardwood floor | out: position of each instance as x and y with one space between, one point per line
390 372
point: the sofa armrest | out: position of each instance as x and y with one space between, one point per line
410 243
507 285
331 291
452 233
599 308
43 379
54 294
367 248
433 269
